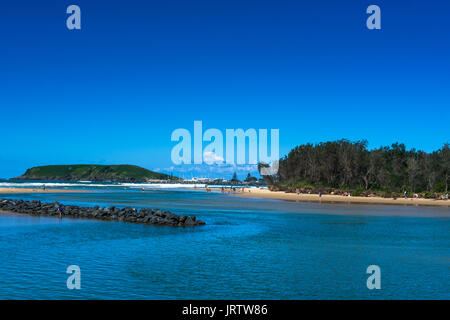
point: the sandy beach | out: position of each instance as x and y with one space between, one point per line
280 195
264 193
34 190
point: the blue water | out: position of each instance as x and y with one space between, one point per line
249 249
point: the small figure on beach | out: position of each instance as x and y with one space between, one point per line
43 187
320 194
298 191
405 194
60 212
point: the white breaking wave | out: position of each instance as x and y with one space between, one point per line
47 184
86 184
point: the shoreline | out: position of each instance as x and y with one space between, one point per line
277 195
36 190
327 198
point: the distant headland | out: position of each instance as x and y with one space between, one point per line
93 172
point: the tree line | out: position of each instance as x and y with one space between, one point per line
344 164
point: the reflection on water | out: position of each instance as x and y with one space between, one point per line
249 249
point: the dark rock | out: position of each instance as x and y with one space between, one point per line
189 222
128 214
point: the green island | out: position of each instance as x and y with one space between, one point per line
93 172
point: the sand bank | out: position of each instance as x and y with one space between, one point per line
264 193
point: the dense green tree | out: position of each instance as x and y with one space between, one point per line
345 164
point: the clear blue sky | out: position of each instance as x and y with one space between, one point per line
114 91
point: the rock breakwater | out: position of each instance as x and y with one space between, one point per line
128 214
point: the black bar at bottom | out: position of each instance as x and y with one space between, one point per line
223 309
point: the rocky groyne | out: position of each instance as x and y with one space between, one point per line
128 214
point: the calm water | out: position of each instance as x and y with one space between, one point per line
249 249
